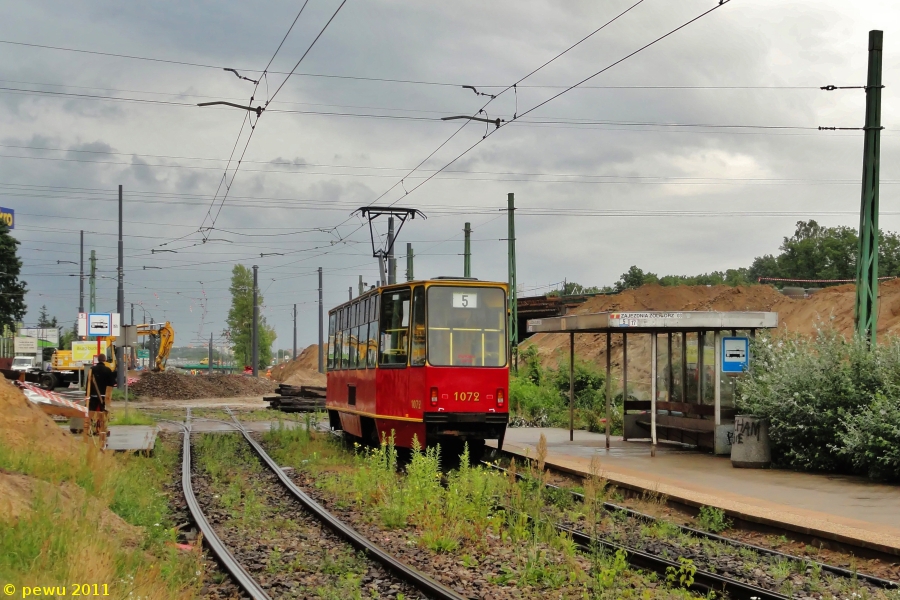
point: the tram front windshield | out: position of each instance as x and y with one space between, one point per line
466 326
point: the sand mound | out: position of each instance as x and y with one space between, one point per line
23 424
177 386
833 304
18 494
304 370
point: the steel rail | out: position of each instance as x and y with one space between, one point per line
241 576
834 570
416 578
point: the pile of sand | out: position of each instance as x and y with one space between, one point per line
833 304
304 370
25 428
23 425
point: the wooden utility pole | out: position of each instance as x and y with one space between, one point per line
866 309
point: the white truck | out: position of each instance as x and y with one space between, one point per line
25 363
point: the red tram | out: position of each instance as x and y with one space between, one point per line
423 359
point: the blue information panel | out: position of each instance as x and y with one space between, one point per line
99 324
735 354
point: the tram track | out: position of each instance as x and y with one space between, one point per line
392 568
704 580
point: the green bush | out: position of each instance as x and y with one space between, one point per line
816 391
872 439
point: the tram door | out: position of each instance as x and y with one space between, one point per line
418 385
393 355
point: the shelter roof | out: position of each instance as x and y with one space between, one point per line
650 321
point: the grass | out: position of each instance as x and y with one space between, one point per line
65 537
130 416
465 514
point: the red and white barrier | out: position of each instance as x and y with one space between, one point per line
40 396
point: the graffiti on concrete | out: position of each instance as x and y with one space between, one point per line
745 429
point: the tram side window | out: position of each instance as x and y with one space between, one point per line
337 351
417 350
394 344
354 341
331 341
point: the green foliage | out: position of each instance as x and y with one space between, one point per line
872 438
539 397
820 396
12 290
240 320
713 519
683 576
812 252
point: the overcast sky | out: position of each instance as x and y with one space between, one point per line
596 190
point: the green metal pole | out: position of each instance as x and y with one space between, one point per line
93 281
866 309
409 262
467 251
513 300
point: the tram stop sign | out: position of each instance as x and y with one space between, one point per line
735 354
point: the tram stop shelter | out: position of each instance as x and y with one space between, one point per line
692 377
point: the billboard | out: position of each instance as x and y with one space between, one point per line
84 352
44 337
8 216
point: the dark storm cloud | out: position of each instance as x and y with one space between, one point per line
463 43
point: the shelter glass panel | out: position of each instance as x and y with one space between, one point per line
394 346
466 326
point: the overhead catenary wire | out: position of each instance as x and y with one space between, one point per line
391 80
574 86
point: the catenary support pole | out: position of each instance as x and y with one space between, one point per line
513 300
210 357
866 309
81 273
409 262
254 332
571 387
467 251
392 262
294 351
321 327
350 293
624 385
361 290
92 282
608 385
654 389
120 301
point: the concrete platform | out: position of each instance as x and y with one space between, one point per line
849 510
136 438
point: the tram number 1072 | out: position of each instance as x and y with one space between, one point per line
466 396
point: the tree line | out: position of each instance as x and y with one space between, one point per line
812 252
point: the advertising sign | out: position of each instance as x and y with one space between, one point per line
25 345
8 216
44 337
83 352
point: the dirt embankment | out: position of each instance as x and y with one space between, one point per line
24 428
176 386
304 370
832 305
